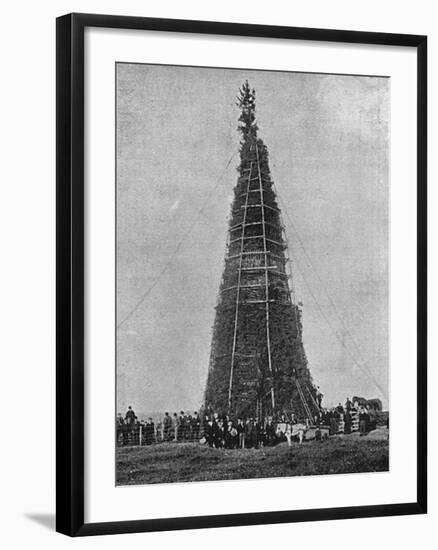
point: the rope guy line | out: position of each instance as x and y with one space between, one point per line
177 248
362 364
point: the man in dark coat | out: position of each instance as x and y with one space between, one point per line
120 427
181 426
260 433
131 429
333 422
130 416
347 422
211 433
149 432
253 436
319 396
220 434
249 433
175 426
167 427
363 421
188 436
270 433
196 426
231 436
240 428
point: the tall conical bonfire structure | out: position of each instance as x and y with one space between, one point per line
258 366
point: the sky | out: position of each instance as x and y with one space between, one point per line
177 153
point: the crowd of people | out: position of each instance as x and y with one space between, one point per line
242 433
182 427
346 418
219 431
222 431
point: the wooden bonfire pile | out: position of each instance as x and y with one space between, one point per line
258 366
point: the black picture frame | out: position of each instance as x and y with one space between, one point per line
70 272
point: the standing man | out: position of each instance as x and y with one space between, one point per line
181 426
254 433
130 422
175 427
130 417
220 434
149 432
119 427
196 426
363 421
211 433
231 436
347 422
248 432
260 433
240 428
333 417
270 432
319 396
167 427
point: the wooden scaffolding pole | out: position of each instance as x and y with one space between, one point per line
236 315
268 332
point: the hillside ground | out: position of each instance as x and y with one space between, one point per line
181 462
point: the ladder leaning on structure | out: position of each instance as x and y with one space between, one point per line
303 400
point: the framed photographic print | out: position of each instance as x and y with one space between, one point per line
241 274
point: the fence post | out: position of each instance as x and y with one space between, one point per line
140 434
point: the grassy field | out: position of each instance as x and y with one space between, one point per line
178 462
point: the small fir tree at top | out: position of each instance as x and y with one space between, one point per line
246 102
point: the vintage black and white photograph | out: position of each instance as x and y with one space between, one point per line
252 260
